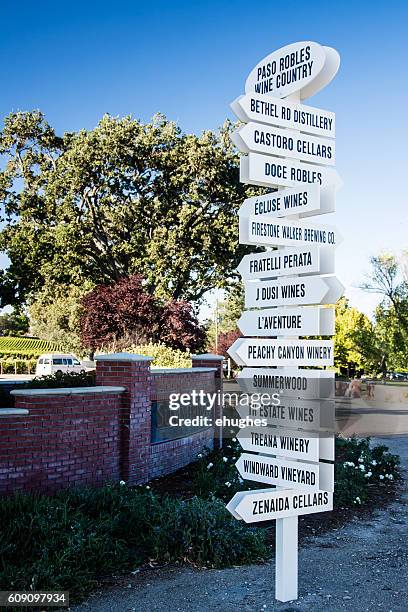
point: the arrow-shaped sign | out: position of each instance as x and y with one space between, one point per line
271 504
287 382
264 352
284 473
284 232
304 200
265 170
306 321
282 113
293 291
285 143
291 444
287 261
311 415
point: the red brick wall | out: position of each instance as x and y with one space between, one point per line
94 438
63 441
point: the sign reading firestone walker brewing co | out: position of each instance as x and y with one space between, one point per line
287 145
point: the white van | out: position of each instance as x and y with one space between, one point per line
51 363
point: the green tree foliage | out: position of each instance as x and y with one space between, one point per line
385 346
14 323
228 312
55 316
123 198
350 324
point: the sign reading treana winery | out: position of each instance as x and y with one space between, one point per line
290 288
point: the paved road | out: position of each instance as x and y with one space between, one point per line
362 566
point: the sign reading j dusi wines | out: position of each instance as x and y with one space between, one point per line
288 148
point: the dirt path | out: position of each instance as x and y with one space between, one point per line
363 566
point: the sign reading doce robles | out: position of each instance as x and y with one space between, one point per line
291 474
284 262
293 291
305 200
283 232
304 66
303 321
288 382
289 352
288 443
265 170
277 141
282 113
271 504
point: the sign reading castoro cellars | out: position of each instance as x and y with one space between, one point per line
290 289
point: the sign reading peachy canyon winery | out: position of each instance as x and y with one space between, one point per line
290 290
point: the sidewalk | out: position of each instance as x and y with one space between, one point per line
360 567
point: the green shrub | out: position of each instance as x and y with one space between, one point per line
163 356
63 380
67 541
11 365
358 466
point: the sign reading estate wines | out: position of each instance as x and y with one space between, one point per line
289 147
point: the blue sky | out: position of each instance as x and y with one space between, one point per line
189 60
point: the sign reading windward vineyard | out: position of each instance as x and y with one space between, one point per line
289 148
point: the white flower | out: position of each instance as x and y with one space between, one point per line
199 455
147 487
381 477
357 500
227 484
390 477
233 458
122 482
373 462
209 466
225 459
368 474
234 439
361 459
348 464
362 468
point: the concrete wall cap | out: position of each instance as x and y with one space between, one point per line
68 391
122 357
13 412
208 357
181 370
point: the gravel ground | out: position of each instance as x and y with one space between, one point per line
362 566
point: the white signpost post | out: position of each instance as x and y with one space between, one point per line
290 148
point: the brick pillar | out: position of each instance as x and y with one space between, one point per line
132 372
209 360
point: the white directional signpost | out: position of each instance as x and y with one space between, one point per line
288 147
